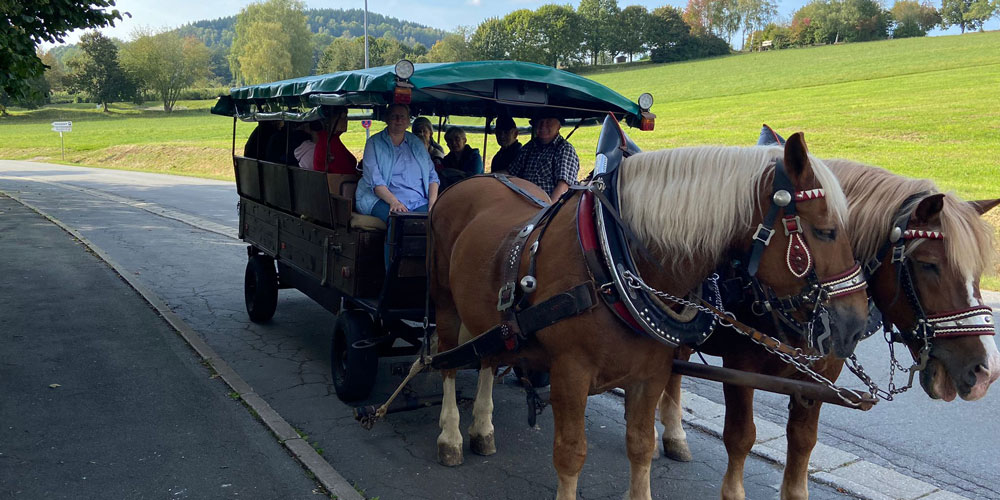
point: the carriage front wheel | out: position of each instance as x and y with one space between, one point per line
260 288
353 369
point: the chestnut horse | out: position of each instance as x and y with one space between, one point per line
690 207
947 247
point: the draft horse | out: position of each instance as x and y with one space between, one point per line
924 252
689 210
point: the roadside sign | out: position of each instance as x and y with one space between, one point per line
367 124
62 127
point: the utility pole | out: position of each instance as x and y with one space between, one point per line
366 34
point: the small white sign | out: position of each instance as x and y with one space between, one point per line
62 126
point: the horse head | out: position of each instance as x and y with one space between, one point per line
807 267
931 294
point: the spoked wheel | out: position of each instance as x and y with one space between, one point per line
353 369
260 288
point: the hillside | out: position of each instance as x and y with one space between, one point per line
330 22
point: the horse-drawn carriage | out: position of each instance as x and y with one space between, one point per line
301 225
618 283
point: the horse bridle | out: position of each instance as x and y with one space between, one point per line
970 321
800 263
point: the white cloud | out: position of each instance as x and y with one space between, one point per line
474 3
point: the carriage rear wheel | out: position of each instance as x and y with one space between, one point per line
353 369
260 288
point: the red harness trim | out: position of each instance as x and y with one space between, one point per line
588 240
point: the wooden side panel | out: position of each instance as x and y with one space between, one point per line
276 185
247 177
259 226
310 195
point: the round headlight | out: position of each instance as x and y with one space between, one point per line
404 69
646 100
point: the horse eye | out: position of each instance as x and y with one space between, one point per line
928 266
825 234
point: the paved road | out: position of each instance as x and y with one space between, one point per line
199 274
101 399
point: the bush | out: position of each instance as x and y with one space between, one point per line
691 47
199 94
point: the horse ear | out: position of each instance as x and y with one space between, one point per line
983 206
928 208
797 160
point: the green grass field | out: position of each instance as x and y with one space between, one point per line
922 107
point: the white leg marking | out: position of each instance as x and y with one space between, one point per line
482 409
450 434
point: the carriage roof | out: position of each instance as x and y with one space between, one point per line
480 88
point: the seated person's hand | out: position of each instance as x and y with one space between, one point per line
397 206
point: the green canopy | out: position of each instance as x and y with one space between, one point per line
480 88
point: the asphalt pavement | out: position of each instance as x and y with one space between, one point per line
176 236
101 399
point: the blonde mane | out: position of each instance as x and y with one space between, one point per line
876 195
694 202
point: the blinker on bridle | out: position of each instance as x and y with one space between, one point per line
970 321
799 260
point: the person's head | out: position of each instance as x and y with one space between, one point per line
397 117
313 128
422 128
546 129
455 138
338 119
506 131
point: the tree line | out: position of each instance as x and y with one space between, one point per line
278 39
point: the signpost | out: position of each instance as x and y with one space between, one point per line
62 127
367 124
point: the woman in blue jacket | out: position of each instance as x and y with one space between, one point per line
398 175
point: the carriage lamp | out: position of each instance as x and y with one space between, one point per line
646 101
404 69
402 94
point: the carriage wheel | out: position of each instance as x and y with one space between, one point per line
260 288
353 369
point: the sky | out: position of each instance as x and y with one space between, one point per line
443 14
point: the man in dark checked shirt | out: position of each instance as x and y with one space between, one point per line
548 160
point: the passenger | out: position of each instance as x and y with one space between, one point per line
506 133
398 175
547 159
256 145
462 160
276 150
331 155
423 129
304 140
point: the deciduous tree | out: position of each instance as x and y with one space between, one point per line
598 25
634 27
559 26
97 73
24 24
272 42
165 64
491 41
911 18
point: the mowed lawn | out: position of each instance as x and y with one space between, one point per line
922 107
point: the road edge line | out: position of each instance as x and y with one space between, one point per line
308 457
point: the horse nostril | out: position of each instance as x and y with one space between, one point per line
980 368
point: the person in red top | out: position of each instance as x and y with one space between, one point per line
331 155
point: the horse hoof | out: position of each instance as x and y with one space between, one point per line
677 450
483 445
449 455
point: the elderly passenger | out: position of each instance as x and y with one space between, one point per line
423 129
462 161
398 175
547 159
